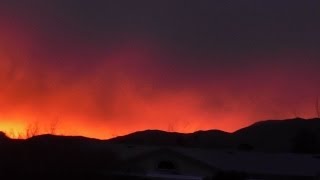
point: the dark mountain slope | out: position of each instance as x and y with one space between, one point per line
270 135
277 135
212 138
3 136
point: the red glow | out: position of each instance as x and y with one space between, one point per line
130 90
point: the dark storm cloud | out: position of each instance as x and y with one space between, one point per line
204 37
205 24
211 35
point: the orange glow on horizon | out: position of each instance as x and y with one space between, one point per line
21 130
13 130
131 89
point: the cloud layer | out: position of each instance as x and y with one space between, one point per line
109 68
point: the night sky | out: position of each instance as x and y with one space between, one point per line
107 68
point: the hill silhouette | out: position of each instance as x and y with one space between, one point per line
54 156
275 135
208 139
3 136
269 135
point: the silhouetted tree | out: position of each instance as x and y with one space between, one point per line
32 130
53 126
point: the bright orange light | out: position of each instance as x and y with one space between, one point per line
12 128
128 90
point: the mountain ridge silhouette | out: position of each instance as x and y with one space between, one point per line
268 135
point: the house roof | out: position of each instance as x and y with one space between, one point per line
287 164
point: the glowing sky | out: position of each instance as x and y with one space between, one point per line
107 68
